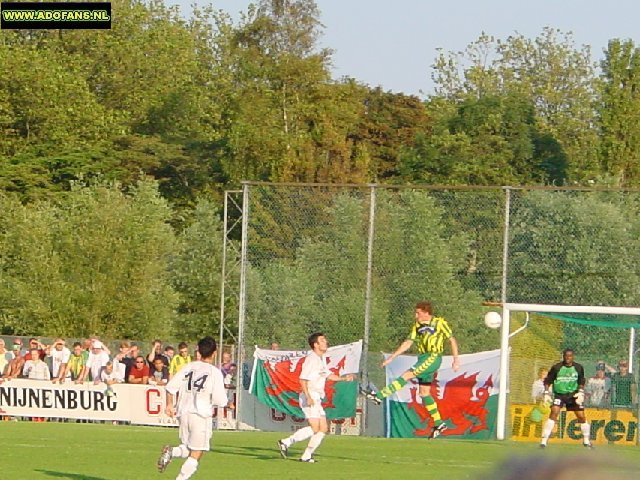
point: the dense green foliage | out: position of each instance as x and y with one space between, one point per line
202 103
115 147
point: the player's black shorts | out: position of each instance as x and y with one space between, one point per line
567 400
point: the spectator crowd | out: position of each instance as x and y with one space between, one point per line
92 361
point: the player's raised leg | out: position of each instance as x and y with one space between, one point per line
393 387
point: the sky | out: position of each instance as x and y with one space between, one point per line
394 43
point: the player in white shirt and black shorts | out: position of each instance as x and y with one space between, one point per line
313 376
199 386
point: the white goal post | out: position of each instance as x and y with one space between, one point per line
507 308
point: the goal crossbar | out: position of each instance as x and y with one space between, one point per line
540 308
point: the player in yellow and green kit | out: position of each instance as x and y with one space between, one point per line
429 334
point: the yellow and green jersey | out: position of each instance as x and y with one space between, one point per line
75 365
430 337
177 362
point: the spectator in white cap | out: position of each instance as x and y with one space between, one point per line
98 358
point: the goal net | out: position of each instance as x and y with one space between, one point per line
604 342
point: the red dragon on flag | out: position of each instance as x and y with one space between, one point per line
457 406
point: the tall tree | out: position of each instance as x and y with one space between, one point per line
490 140
620 112
289 122
557 77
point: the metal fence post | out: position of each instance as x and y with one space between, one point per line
504 343
242 307
368 297
223 278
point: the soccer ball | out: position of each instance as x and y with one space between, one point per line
493 320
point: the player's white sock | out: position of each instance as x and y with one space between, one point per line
586 432
189 467
299 436
546 430
181 451
314 443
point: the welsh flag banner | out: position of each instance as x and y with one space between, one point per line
275 380
467 399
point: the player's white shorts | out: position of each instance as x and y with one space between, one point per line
195 431
311 412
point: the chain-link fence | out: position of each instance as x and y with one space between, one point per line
352 260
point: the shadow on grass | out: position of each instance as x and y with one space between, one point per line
256 453
261 453
70 476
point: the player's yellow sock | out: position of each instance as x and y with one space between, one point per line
432 407
392 388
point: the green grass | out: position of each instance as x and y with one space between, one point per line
103 452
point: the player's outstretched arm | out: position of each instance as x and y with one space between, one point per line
404 346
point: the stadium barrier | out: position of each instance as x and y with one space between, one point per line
136 404
615 426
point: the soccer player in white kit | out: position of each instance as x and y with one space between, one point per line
313 376
199 387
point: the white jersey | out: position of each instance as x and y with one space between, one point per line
95 362
116 374
315 371
200 387
59 357
537 390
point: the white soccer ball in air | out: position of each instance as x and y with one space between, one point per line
493 320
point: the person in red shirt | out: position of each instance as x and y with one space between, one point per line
35 344
139 373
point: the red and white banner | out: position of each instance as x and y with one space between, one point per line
138 404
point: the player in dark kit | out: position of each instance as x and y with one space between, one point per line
564 388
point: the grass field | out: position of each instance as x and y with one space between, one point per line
104 452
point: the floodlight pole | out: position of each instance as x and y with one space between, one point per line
504 333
